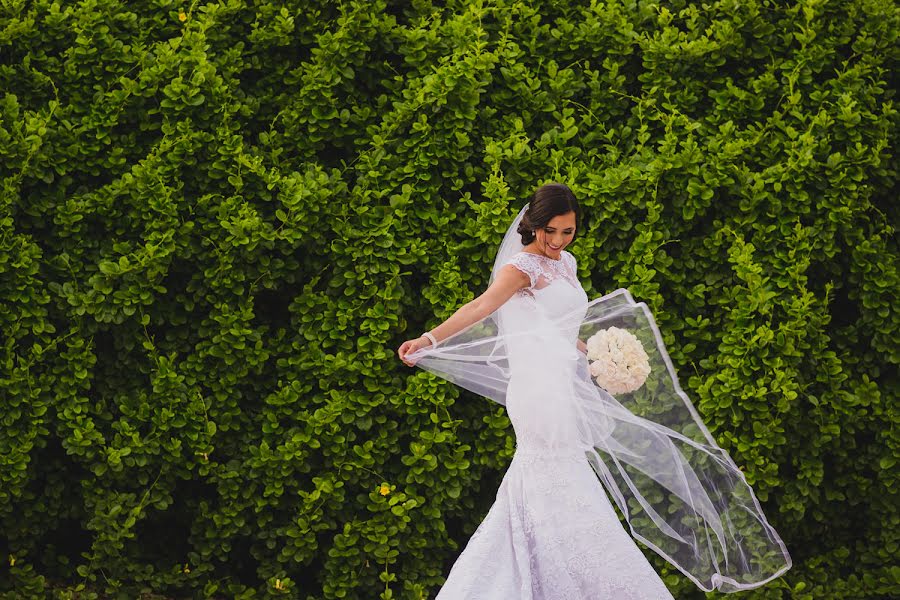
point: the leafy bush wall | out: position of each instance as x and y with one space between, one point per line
219 220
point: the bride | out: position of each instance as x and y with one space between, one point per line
622 420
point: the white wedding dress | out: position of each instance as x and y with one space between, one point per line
552 533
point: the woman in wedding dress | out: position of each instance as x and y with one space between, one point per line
552 532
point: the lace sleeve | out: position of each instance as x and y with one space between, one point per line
573 265
528 264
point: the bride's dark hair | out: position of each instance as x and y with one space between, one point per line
548 201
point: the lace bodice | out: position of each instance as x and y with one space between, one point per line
558 302
542 271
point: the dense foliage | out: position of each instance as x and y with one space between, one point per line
219 220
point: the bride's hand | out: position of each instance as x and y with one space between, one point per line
410 346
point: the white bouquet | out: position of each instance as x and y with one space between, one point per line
619 363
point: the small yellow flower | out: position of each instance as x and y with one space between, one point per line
384 490
279 585
12 560
186 568
182 17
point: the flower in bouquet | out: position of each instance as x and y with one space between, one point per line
619 363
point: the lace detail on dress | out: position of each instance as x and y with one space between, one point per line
542 271
552 535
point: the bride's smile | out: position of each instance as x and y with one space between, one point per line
553 238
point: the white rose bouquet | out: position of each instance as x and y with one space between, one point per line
619 363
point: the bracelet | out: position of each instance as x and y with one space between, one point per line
429 335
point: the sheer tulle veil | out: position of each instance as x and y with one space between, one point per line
680 493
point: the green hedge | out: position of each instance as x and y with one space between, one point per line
219 220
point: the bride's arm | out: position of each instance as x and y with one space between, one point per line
581 345
509 280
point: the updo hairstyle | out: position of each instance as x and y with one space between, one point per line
548 201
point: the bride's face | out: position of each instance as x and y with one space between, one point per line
553 238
